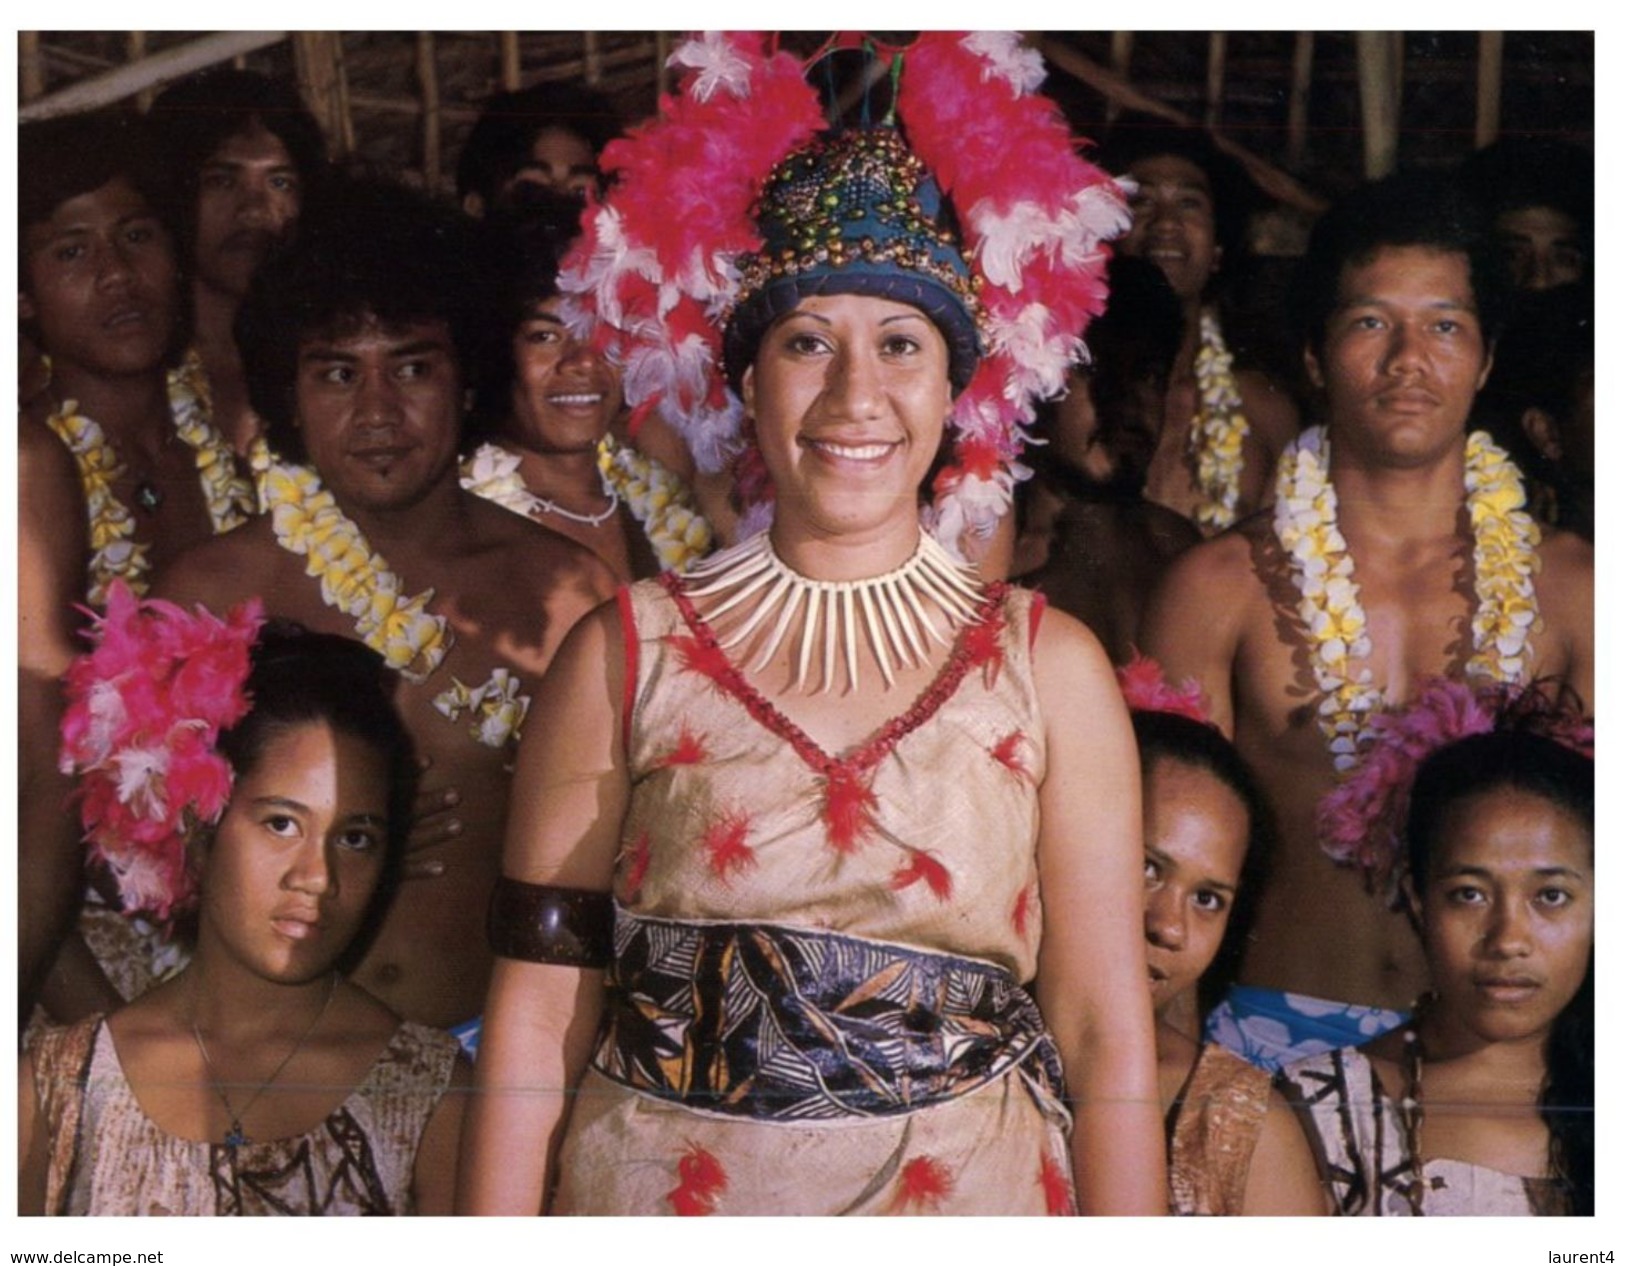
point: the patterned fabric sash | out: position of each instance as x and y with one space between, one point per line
784 1024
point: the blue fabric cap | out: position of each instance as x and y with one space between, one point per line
855 213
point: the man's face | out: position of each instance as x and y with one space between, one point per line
561 161
1542 246
1403 354
248 200
1173 222
379 409
99 283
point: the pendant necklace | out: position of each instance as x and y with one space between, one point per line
546 506
234 1136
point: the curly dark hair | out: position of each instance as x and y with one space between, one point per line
375 249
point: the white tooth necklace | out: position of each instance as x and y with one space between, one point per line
899 609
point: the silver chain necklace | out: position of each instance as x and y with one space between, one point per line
234 1137
591 520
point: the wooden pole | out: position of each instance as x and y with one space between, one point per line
135 48
429 84
590 53
1216 43
1297 109
1491 45
1271 179
1379 100
318 58
510 61
123 82
30 66
1122 55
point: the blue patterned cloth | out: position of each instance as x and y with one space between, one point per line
468 1035
1271 1028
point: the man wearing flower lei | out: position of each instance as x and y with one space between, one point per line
354 348
1222 428
100 296
120 468
1396 550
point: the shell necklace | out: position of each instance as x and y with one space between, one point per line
1504 563
899 609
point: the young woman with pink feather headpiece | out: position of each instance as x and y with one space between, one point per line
830 802
250 788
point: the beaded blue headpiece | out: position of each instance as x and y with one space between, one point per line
855 212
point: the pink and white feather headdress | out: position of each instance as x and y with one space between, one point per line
145 709
657 267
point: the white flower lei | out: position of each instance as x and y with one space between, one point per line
497 708
658 499
1218 430
1504 563
307 521
115 553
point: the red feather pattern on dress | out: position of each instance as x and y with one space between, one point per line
724 843
922 1185
921 865
637 865
849 807
1008 751
701 656
984 647
690 750
1057 1188
701 1180
1024 907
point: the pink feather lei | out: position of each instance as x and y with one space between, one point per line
1145 689
144 710
654 273
1359 821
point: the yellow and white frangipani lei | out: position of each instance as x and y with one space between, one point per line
497 707
115 553
1218 431
308 522
658 499
1504 564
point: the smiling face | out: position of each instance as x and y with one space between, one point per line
100 283
565 395
248 200
297 856
379 410
850 395
1403 355
1507 914
1196 832
1173 224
